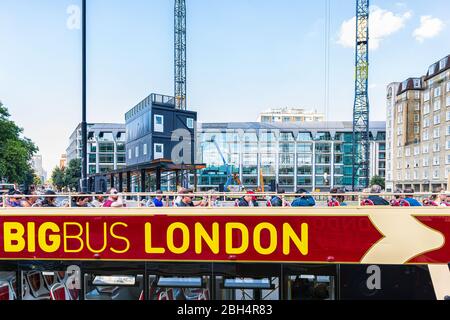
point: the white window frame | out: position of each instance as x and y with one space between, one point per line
190 123
437 119
158 127
436 133
130 153
426 96
136 151
437 105
158 155
145 147
437 92
426 108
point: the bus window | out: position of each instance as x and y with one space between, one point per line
248 288
179 288
310 287
8 286
117 287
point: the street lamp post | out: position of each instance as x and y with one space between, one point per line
84 170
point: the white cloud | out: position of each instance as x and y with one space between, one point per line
429 28
382 23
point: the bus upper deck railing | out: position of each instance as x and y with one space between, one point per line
218 199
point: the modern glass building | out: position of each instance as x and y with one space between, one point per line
106 147
315 156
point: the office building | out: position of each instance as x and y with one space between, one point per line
290 115
315 156
106 147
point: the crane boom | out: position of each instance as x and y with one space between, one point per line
360 175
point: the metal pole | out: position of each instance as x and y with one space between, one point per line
83 121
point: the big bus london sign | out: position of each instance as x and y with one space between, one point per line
338 235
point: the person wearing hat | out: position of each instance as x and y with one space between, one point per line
442 200
303 199
249 200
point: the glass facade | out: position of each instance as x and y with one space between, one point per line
315 160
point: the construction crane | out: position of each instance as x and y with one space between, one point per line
231 177
360 175
180 54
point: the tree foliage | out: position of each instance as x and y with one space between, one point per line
58 178
16 151
72 175
377 180
69 177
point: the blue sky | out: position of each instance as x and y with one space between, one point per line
244 56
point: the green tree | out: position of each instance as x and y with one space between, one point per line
72 175
58 178
377 180
16 151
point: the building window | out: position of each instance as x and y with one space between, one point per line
448 116
437 120
425 149
400 107
416 130
436 174
416 118
136 151
426 108
426 96
437 92
399 131
425 174
159 123
447 161
129 153
417 84
448 86
426 162
416 151
436 147
190 123
158 151
448 130
408 152
425 135
426 122
436 133
447 102
145 149
436 161
437 105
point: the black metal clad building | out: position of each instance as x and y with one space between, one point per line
150 126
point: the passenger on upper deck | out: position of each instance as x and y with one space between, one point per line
399 199
339 199
49 201
98 201
276 201
114 200
410 198
377 200
442 200
303 199
248 200
13 201
186 199
156 202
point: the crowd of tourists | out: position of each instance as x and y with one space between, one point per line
186 198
